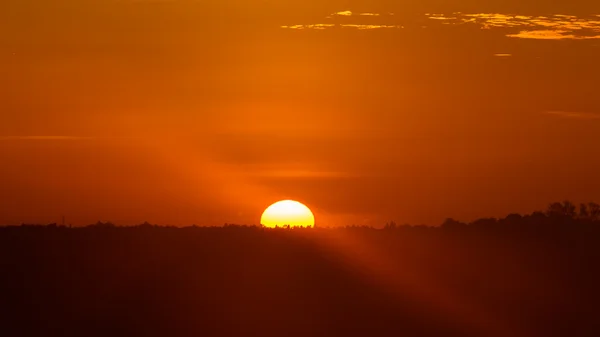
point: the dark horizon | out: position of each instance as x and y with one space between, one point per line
523 276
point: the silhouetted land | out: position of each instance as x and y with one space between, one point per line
534 275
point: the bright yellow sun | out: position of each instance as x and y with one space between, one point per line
287 212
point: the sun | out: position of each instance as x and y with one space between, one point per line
287 212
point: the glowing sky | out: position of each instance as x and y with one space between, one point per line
192 111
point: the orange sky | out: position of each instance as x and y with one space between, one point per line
205 112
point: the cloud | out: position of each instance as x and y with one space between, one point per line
551 35
574 114
350 13
343 13
554 27
440 17
343 19
362 27
317 26
503 55
543 34
43 138
322 26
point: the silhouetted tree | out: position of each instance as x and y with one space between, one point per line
594 211
146 224
101 224
450 223
485 222
583 211
564 209
554 208
390 225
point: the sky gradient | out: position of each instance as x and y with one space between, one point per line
205 112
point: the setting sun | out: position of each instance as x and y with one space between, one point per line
287 212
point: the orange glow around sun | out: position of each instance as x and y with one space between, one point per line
287 212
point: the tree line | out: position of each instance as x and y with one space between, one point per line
557 213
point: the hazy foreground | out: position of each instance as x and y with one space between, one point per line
534 276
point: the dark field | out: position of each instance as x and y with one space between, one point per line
540 279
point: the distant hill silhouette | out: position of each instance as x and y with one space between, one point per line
523 275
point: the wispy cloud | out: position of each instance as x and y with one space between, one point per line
551 35
43 138
554 27
345 19
343 13
350 13
573 114
316 26
362 27
323 26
